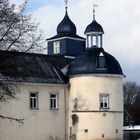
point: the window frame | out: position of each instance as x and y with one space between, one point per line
56 47
55 100
98 62
104 99
36 102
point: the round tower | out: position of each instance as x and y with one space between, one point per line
96 92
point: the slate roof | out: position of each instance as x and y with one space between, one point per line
87 64
94 26
66 28
68 35
40 68
33 68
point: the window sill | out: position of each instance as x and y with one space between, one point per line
34 108
53 109
104 109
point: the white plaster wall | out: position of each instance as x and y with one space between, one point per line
87 90
39 124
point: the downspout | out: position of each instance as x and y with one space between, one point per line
66 107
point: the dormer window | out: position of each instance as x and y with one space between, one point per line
56 47
101 63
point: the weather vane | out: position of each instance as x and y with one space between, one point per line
66 4
94 6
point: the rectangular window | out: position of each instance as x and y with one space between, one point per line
101 62
33 100
104 101
56 47
53 101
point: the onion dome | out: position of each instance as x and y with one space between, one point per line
94 61
94 26
66 26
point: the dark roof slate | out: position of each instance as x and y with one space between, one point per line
94 26
87 64
66 26
32 68
69 35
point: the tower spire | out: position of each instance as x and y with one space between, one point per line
94 6
66 4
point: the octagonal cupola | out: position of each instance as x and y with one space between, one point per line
94 32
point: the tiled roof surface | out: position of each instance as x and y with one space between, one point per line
33 68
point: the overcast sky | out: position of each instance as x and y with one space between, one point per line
120 20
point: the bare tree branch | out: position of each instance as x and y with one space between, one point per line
131 103
13 119
20 32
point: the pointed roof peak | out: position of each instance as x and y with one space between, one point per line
66 26
66 12
94 6
94 26
66 5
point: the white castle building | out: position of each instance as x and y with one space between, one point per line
75 92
